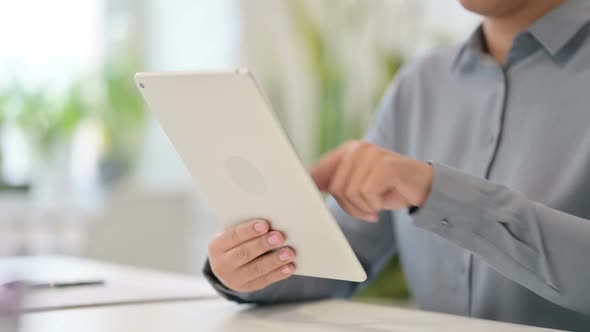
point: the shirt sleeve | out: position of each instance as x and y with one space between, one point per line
373 243
540 248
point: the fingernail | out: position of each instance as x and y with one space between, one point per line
274 239
260 227
286 269
285 255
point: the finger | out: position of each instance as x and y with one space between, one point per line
360 172
393 200
343 169
282 272
380 190
238 234
252 249
348 208
340 182
265 264
322 172
351 209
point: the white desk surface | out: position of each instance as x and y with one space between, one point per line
123 284
220 315
141 300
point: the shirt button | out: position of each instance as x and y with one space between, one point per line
492 139
461 269
445 222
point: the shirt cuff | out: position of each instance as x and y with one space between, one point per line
221 288
455 200
467 211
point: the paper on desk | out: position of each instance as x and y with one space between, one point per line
123 285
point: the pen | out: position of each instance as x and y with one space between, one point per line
66 284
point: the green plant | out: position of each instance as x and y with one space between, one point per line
122 114
49 118
335 126
389 284
3 99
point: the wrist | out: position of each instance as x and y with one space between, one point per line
417 184
426 187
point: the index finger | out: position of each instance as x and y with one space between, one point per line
238 234
322 172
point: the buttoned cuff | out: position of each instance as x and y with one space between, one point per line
221 288
487 219
469 211
455 200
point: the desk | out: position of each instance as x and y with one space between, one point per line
142 300
220 316
123 284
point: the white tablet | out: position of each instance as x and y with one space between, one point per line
242 162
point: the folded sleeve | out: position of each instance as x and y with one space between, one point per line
542 249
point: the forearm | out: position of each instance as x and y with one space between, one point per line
538 247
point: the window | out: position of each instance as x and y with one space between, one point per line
45 45
49 41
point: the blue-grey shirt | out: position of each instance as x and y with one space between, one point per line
505 232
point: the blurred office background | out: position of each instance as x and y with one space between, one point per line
85 170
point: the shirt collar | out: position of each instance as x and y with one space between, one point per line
554 30
471 52
560 32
